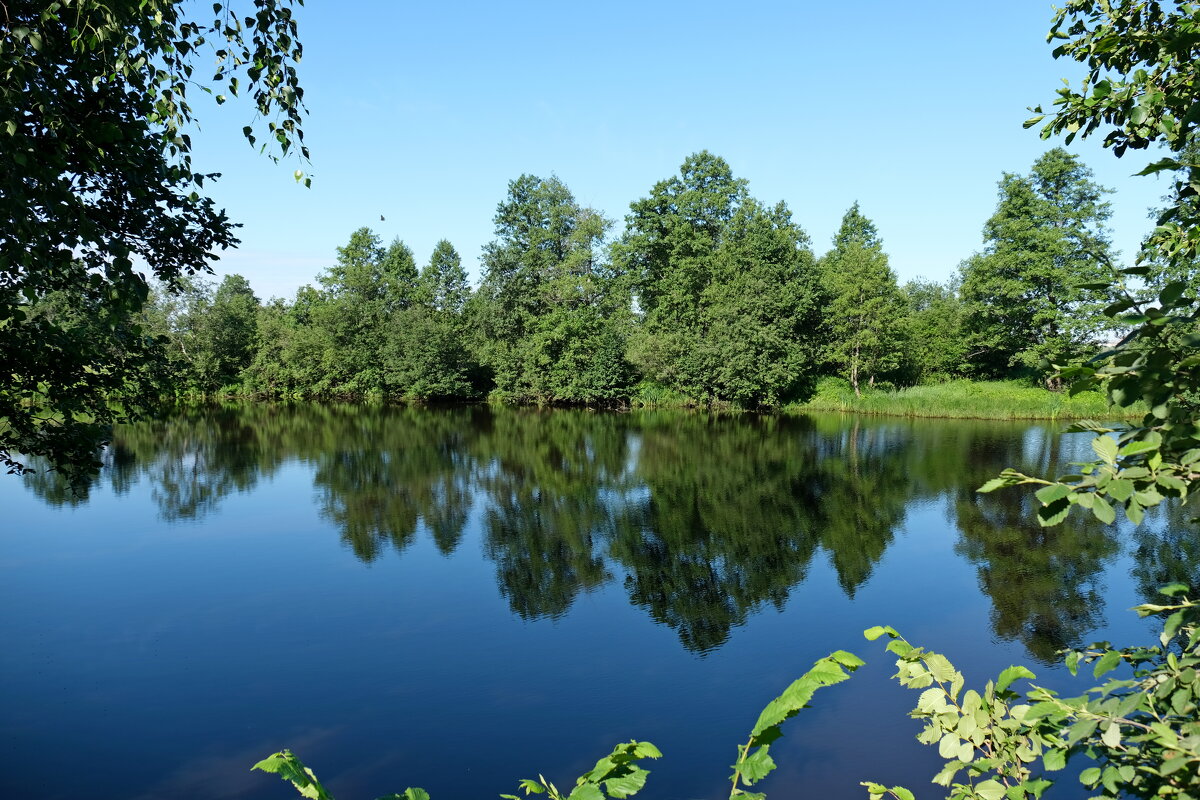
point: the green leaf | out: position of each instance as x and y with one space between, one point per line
1011 674
825 672
646 750
1136 448
1112 736
413 793
1106 449
948 746
756 766
1172 765
627 785
989 790
875 632
586 791
1054 759
1103 511
291 769
1054 513
1055 491
1120 489
1172 292
1106 663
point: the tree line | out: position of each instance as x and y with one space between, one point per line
708 296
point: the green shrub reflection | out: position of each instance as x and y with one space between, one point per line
703 519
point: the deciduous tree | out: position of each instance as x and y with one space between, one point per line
866 309
98 190
1025 296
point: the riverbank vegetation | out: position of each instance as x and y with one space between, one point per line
708 298
964 399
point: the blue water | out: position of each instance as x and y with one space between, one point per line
457 599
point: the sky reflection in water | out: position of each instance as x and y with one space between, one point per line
458 598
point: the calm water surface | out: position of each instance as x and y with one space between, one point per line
459 598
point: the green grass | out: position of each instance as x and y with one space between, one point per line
964 400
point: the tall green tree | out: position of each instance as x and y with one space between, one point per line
228 328
425 353
96 177
366 286
936 350
443 284
552 312
726 287
866 308
295 345
1024 293
761 312
668 250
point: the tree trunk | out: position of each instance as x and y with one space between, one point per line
854 371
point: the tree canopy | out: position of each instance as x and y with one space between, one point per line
1025 296
866 311
98 189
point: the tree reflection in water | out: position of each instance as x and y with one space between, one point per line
704 519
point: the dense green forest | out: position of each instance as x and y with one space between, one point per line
709 296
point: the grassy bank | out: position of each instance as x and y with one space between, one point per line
960 399
964 400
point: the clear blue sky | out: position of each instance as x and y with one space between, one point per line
422 113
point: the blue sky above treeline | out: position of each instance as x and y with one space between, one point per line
422 112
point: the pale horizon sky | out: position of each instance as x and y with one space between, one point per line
421 113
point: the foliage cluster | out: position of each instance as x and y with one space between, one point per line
96 179
709 297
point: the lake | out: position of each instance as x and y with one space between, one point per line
457 598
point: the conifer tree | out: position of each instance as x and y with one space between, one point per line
866 308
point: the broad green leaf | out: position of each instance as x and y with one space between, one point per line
1054 513
1106 449
1106 663
1112 736
756 766
1103 511
948 746
1055 491
1054 759
413 793
627 785
1136 448
1120 489
875 632
1011 674
940 667
586 791
288 767
646 750
989 790
1172 765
